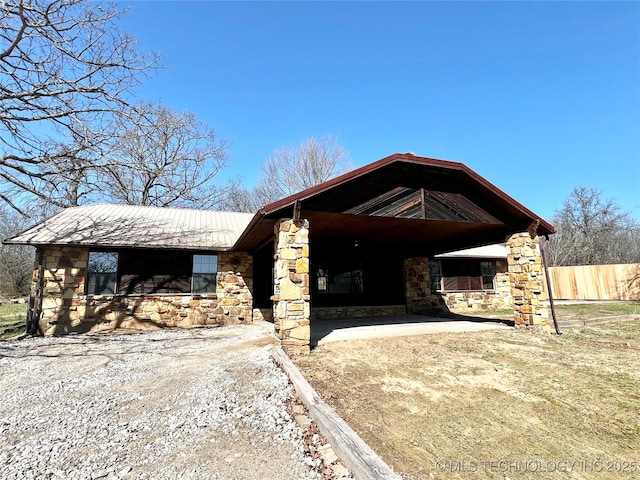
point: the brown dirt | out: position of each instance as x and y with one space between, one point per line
496 404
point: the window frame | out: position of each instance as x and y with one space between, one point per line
462 275
94 274
212 274
140 272
435 275
491 276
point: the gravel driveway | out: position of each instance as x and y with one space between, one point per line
204 403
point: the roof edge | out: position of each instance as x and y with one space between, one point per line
259 215
405 157
358 172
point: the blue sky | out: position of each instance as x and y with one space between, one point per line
538 97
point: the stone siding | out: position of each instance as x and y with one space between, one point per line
526 276
291 297
417 286
66 308
263 314
359 311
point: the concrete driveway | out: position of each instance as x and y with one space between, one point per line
333 330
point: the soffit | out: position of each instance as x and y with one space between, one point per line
402 199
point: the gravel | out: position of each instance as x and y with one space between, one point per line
202 403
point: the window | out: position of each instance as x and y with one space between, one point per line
154 271
337 278
146 271
102 273
461 275
205 268
488 272
435 274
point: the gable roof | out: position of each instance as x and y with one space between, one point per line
436 205
112 226
424 206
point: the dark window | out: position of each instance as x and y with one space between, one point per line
102 273
462 275
205 268
139 271
488 272
154 271
435 274
337 278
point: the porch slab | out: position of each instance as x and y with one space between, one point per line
362 328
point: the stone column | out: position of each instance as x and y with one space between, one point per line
291 299
526 276
64 273
234 288
417 287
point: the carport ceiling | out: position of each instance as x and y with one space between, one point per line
402 199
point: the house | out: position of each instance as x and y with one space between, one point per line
358 244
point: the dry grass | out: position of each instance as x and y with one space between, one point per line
448 405
571 311
12 319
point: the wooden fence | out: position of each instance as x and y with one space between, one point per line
596 282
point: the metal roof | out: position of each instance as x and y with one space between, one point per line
498 250
105 225
403 199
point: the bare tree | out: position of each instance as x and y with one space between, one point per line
73 179
164 158
593 230
16 261
65 67
240 199
290 170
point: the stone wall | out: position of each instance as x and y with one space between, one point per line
291 297
63 280
66 308
417 286
526 276
477 301
358 311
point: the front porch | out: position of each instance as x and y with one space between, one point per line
365 239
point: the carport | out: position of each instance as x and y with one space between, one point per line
361 242
360 328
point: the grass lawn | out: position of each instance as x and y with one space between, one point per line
12 319
580 311
571 311
495 404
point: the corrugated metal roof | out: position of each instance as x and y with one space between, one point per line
108 225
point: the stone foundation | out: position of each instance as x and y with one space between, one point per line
359 311
263 314
66 309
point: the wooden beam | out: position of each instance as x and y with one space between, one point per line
296 210
357 456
